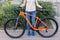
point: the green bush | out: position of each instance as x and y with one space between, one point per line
8 12
49 7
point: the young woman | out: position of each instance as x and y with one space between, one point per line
30 9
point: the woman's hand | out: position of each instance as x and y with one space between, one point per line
24 3
38 4
40 7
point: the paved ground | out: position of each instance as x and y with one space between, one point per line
3 36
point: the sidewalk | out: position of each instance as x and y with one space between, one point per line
3 36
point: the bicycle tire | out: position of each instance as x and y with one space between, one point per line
51 34
5 27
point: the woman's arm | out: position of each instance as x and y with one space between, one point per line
24 3
38 4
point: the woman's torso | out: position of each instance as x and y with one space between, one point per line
30 5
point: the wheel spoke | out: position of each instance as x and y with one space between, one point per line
52 28
13 30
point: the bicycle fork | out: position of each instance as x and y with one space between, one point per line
17 20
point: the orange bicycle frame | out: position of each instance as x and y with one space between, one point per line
37 18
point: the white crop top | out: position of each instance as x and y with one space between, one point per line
30 5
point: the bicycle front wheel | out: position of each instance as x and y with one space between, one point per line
52 28
12 30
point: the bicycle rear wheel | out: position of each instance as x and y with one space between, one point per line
11 30
52 28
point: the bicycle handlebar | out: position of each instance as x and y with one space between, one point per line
19 8
42 9
39 9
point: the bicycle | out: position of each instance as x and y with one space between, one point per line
42 27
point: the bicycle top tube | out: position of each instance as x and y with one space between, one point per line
23 13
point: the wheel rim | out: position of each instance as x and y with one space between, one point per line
14 33
52 29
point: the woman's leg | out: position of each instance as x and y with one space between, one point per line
33 21
27 25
